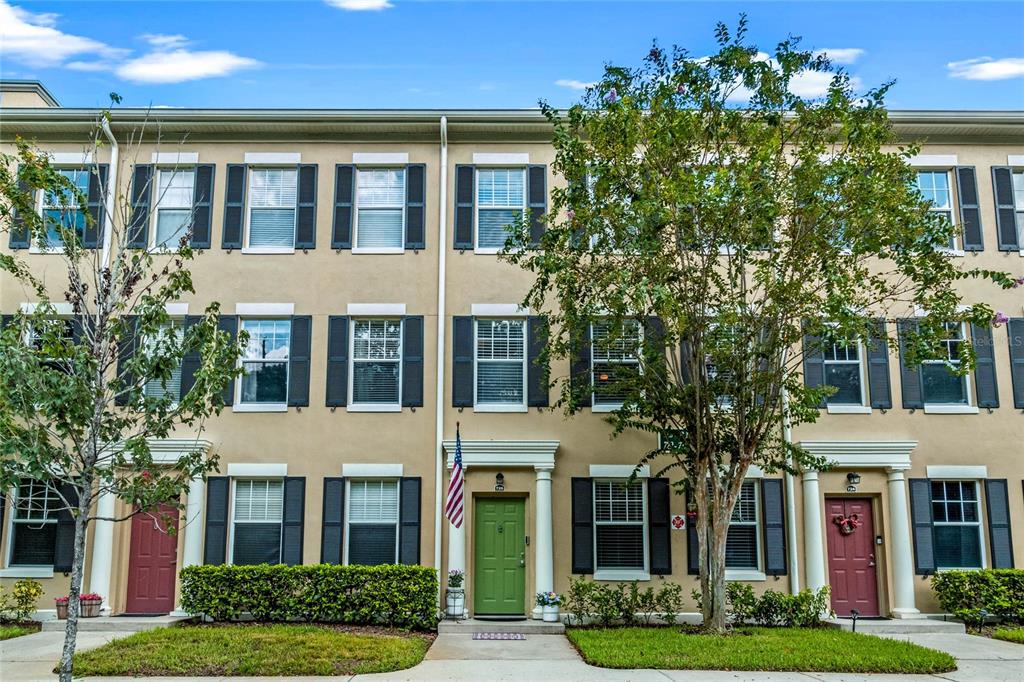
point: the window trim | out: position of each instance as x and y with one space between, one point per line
967 407
353 406
982 524
490 250
757 573
348 516
154 214
611 407
229 558
498 407
267 250
355 210
622 573
863 407
20 570
237 405
1017 170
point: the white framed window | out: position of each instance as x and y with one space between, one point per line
1018 203
380 210
375 380
719 341
620 529
743 542
171 387
172 214
38 339
844 369
61 209
372 520
939 384
613 358
33 535
956 525
935 186
256 516
500 202
500 365
265 361
270 219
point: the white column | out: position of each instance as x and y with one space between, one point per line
457 548
102 548
899 548
543 547
195 503
814 549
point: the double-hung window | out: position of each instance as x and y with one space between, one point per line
376 363
34 523
501 202
935 187
742 544
842 369
171 386
720 340
380 209
956 524
500 364
372 522
175 191
1018 202
272 196
620 531
614 359
257 514
265 362
61 210
939 383
46 343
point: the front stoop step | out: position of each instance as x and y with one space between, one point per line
115 623
900 626
472 626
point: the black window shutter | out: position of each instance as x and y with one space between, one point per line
64 540
126 349
537 194
344 191
3 504
997 504
921 521
465 199
654 344
337 361
298 360
190 361
412 361
142 192
294 515
305 207
658 526
229 324
579 371
216 539
409 521
536 373
332 530
774 526
1006 212
1015 332
970 212
814 363
202 206
692 544
582 525
93 236
879 388
20 238
910 377
234 207
462 361
985 386
415 206
685 351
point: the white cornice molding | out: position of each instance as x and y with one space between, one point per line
170 450
355 470
887 454
504 453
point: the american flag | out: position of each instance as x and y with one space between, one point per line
453 504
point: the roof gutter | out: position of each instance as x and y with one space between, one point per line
442 220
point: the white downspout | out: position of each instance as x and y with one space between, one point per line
791 558
442 230
108 217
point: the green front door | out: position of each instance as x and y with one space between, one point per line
499 566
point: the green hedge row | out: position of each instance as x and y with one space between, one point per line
975 596
392 595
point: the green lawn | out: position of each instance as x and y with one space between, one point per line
1009 634
12 631
255 649
752 648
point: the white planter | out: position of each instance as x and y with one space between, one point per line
549 614
455 603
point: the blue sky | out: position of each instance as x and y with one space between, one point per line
409 54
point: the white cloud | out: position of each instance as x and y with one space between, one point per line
360 5
34 39
841 55
179 65
163 41
987 68
811 84
573 84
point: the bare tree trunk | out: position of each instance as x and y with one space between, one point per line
77 575
712 532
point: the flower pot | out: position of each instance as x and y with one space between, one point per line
549 614
62 610
455 603
91 607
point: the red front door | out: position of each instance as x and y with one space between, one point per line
851 555
152 563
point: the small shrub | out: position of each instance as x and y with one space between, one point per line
976 596
773 609
669 602
579 600
607 602
740 601
20 603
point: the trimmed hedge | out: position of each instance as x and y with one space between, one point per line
391 595
975 596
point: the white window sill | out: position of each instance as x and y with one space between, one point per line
849 409
950 409
268 250
500 408
957 253
946 569
27 572
389 250
260 407
605 408
622 575
55 251
749 576
374 408
487 250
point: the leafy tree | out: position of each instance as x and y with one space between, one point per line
710 204
82 396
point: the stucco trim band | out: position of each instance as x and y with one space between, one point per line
242 469
960 472
372 470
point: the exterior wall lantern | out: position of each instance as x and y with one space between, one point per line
852 481
499 482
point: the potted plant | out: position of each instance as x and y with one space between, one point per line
455 597
62 607
548 603
90 606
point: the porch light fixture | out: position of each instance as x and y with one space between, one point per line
853 478
499 482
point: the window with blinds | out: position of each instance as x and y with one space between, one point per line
376 362
61 209
380 208
500 362
956 518
272 194
614 359
939 383
501 202
742 544
372 522
266 362
175 190
258 509
842 370
619 525
171 386
34 526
